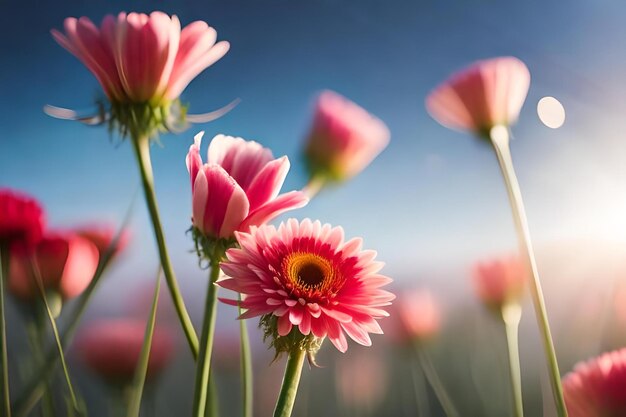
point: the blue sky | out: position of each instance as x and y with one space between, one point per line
430 204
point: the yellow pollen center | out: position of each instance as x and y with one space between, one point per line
308 271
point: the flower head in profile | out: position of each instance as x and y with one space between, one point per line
111 348
21 219
344 138
597 388
64 261
499 281
143 62
238 187
419 314
486 94
307 283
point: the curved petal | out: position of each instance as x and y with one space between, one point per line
267 183
193 159
285 202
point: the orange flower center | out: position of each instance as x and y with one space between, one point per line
308 272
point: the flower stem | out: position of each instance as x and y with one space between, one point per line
141 145
246 367
435 383
511 315
419 386
500 141
139 379
289 388
203 368
4 361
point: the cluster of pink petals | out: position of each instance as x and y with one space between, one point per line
485 94
138 57
238 186
499 281
344 137
65 262
112 348
597 388
419 314
21 218
349 297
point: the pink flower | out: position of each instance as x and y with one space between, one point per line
344 138
499 281
103 235
485 94
308 277
238 187
419 314
66 262
597 388
112 348
21 218
138 57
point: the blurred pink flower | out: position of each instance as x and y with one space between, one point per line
344 138
307 276
419 314
362 381
238 187
138 57
112 348
499 281
66 262
485 94
597 388
103 235
21 218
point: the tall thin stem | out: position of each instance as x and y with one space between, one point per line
314 186
291 380
435 383
511 315
246 367
500 140
203 368
141 146
4 361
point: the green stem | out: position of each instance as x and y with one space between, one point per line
139 379
36 386
55 332
212 408
141 145
435 383
289 388
4 361
246 367
500 141
511 315
203 368
421 395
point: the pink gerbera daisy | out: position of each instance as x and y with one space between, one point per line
306 276
597 388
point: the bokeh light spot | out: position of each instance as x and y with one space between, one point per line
551 112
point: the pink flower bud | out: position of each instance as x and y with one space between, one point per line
419 314
344 138
66 263
21 219
238 187
485 94
103 235
499 281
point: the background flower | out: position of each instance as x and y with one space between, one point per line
21 218
485 94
